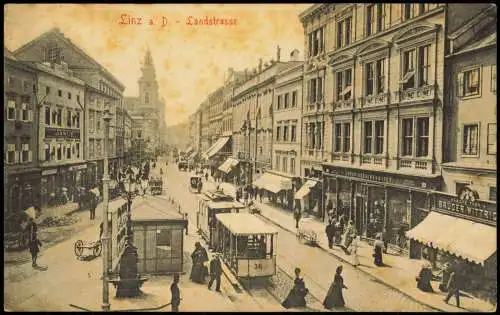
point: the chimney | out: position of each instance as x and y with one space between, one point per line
294 55
278 53
260 65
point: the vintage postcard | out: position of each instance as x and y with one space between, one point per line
250 157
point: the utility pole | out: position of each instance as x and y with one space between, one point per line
105 237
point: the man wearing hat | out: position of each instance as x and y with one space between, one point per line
175 299
215 272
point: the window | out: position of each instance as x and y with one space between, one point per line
280 101
10 81
25 109
164 238
59 93
292 166
285 133
370 80
11 153
59 117
423 65
470 140
278 133
54 55
408 80
68 118
493 78
47 115
59 151
421 8
380 75
370 20
407 11
277 162
78 98
368 137
315 90
492 139
293 137
69 95
285 165
347 137
98 121
379 137
47 90
338 137
25 153
344 32
493 193
344 85
422 136
77 120
47 151
316 45
146 98
68 151
407 137
468 83
380 16
287 100
26 85
294 99
11 107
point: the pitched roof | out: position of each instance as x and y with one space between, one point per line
472 22
488 40
7 53
55 31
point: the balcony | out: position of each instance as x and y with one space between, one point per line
415 164
341 157
374 100
373 160
343 104
425 92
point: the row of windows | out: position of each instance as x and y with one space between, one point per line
60 93
55 117
14 155
376 16
14 83
96 147
315 135
61 151
283 166
287 100
19 111
286 131
470 140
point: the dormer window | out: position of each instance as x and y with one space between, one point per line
53 55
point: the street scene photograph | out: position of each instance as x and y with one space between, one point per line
330 157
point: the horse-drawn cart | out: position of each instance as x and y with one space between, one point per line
306 232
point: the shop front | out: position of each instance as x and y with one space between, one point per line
378 201
314 199
460 232
278 187
23 187
228 169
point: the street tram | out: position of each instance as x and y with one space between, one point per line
211 203
247 244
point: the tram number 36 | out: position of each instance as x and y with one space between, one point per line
258 266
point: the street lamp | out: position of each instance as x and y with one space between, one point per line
129 185
105 238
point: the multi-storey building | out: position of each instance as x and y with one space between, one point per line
215 110
382 120
287 111
102 90
252 114
61 129
127 137
149 108
205 127
21 167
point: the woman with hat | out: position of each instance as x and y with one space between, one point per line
297 295
378 248
334 297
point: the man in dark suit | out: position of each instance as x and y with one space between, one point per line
175 299
215 272
454 286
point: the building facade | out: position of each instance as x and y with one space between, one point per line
287 112
21 167
102 90
127 137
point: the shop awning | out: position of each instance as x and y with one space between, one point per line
273 183
189 150
192 155
305 189
463 238
228 165
216 147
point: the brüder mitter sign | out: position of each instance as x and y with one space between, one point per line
62 133
481 210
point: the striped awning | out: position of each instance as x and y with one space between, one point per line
273 183
305 189
228 165
216 147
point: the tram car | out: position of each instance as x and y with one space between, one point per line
247 244
211 203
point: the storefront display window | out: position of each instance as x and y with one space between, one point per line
398 216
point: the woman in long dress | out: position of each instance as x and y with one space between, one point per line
350 233
354 251
199 257
334 297
297 295
378 248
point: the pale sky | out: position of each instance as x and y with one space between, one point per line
190 61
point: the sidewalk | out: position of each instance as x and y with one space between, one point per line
400 273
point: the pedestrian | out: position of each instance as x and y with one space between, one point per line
378 248
261 192
245 196
175 299
93 204
354 251
454 286
338 232
199 257
297 295
297 216
215 273
349 235
34 248
334 297
330 233
385 239
186 222
206 176
424 278
329 207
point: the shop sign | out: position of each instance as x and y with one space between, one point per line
49 172
474 209
78 167
376 177
62 133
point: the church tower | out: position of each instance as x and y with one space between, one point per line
148 87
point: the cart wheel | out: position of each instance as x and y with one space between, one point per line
97 248
78 248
